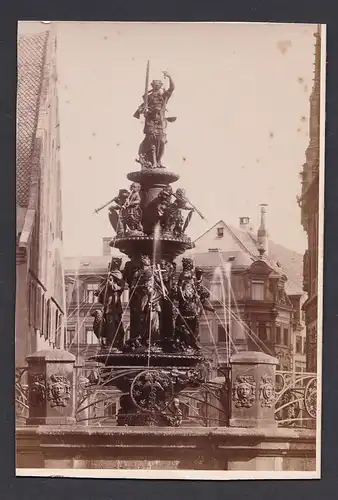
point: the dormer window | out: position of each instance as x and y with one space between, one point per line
220 232
257 290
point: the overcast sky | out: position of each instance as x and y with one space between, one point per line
242 107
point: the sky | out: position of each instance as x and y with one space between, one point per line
242 106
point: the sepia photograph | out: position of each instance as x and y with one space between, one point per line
169 249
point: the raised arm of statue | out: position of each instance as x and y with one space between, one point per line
171 84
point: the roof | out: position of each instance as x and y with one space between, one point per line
280 258
215 259
31 59
89 264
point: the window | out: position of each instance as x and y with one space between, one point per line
304 346
257 290
47 329
216 292
298 344
263 330
298 367
91 338
90 292
185 409
43 326
278 335
70 336
32 304
56 322
222 333
38 317
286 336
110 411
220 232
58 329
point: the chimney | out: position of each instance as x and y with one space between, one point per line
244 223
262 233
106 249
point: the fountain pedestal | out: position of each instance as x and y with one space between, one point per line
253 390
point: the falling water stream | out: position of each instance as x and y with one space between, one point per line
155 256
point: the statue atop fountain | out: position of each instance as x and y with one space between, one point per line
153 109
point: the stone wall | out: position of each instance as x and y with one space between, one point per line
85 447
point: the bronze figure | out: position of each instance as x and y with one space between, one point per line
153 108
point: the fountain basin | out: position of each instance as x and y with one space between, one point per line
144 244
159 175
142 359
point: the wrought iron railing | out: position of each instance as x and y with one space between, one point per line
21 396
97 401
296 399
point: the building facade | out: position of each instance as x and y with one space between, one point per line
309 203
266 288
83 277
40 297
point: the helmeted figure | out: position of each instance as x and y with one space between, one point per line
151 149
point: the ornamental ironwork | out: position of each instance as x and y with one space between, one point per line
296 399
151 390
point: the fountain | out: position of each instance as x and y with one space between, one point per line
162 356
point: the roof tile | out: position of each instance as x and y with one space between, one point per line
31 57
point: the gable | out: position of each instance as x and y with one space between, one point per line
283 260
218 237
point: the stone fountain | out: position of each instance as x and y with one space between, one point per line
162 355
